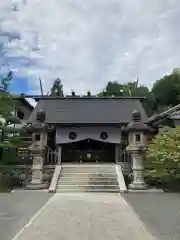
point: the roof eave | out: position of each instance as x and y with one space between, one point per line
22 98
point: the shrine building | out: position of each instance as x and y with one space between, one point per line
88 129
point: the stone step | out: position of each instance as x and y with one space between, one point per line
84 175
85 165
87 170
88 178
87 188
71 190
91 182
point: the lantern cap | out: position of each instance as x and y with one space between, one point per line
136 124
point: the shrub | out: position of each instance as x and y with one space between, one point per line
164 151
163 156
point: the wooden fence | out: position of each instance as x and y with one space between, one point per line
23 156
19 156
51 157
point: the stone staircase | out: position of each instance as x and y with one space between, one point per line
87 178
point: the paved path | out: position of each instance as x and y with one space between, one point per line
17 208
160 212
84 217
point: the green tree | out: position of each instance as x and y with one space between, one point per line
8 139
5 81
130 89
166 91
149 103
7 120
113 88
57 88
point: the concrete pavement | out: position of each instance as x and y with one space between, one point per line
160 212
85 216
17 208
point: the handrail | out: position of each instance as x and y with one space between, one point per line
57 171
120 178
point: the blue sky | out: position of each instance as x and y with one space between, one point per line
88 43
19 85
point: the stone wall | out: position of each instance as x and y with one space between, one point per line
20 175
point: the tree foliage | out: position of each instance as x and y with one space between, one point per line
166 91
57 88
8 138
130 89
6 105
164 151
164 94
5 81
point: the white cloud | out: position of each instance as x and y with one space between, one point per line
87 43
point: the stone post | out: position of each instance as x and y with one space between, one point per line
33 140
137 148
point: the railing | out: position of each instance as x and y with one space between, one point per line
125 157
57 171
51 157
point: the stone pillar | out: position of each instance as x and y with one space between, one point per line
37 170
138 172
59 154
43 140
33 140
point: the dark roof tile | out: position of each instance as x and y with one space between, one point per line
92 110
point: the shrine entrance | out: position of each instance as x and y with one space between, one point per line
88 151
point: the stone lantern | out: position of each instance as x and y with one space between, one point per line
137 147
37 149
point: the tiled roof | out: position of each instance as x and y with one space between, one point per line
88 110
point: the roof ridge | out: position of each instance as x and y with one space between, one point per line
39 97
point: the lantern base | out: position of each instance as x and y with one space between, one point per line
138 186
39 186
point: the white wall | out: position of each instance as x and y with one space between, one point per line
114 134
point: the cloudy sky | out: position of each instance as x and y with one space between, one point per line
87 43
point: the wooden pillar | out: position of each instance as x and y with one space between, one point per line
59 154
117 153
